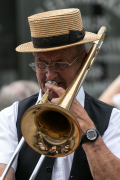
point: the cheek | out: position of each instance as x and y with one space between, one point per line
70 74
41 79
68 77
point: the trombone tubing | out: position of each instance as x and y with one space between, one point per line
12 159
37 167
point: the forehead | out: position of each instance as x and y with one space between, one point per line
58 54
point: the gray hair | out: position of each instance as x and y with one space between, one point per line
17 91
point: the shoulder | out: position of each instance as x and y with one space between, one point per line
114 119
97 102
9 112
26 103
29 101
33 97
116 100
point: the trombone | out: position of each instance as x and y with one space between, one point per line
58 130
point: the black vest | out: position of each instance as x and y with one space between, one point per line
98 111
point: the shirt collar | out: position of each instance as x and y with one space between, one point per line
80 96
39 97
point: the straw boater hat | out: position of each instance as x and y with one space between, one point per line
55 30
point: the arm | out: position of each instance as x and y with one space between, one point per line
113 89
102 162
10 175
8 138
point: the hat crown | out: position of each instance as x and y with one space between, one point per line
55 23
58 29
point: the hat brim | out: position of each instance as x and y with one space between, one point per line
28 47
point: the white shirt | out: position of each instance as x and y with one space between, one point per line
62 166
116 100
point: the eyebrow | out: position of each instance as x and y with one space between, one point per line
44 61
58 60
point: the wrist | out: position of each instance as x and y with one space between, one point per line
90 136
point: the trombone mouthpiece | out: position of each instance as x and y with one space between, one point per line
52 82
45 96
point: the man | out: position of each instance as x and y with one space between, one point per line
57 43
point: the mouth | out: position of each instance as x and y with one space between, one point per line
59 84
52 94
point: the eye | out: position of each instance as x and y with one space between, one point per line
40 65
60 65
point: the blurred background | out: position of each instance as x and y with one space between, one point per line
14 30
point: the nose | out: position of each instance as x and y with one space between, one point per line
51 73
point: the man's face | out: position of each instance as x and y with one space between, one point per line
62 77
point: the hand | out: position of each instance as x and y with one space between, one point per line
58 90
81 115
76 109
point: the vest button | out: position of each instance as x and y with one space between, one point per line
48 169
72 177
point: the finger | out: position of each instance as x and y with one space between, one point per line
56 89
55 100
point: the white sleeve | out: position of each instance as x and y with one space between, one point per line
116 100
8 134
111 136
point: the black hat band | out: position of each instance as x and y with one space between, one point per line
61 40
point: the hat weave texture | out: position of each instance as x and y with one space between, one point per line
46 26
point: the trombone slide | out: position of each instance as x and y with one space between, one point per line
12 159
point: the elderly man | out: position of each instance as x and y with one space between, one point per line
58 40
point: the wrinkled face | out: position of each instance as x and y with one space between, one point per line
62 77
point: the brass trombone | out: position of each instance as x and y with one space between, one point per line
50 129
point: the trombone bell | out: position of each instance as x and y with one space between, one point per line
51 130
